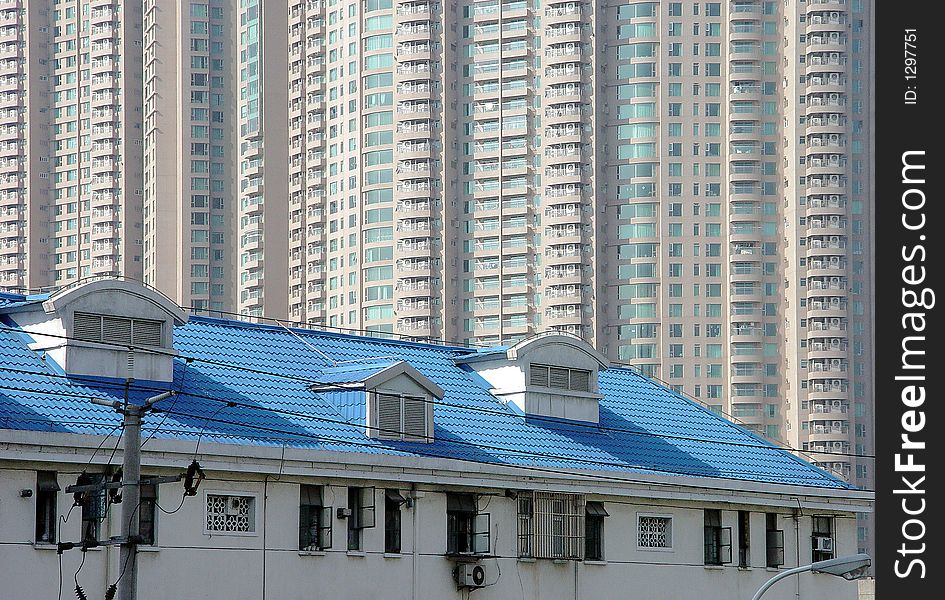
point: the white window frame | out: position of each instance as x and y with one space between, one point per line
672 532
241 494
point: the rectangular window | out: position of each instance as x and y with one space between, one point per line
93 508
47 494
744 538
147 511
774 541
315 519
594 530
467 530
654 532
822 539
718 539
230 514
393 500
551 525
360 514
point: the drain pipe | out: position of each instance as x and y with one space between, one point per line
575 579
414 563
797 547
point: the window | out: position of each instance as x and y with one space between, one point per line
47 493
744 538
467 531
393 500
117 330
314 519
93 506
147 504
654 532
774 541
822 539
402 417
360 514
561 378
594 513
718 539
550 525
231 514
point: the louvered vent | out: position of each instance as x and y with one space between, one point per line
560 378
401 417
117 330
580 380
538 375
147 333
87 327
388 415
415 418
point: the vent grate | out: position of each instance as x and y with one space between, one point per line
117 330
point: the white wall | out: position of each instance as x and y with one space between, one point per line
190 564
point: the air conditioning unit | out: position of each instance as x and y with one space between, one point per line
470 575
823 543
344 512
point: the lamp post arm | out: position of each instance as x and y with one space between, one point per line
778 578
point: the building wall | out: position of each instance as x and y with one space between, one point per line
188 562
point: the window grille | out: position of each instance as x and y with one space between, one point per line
654 532
551 525
230 514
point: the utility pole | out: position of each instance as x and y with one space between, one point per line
131 495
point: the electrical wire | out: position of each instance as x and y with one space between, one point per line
341 387
593 427
296 436
180 389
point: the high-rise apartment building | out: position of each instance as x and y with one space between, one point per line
190 159
70 141
683 184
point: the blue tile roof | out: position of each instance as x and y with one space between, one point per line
252 384
8 300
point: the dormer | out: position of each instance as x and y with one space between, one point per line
105 328
550 375
392 399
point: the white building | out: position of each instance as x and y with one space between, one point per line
343 466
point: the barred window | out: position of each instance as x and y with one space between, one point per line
231 514
551 525
654 531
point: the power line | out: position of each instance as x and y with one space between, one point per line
296 436
293 436
322 419
339 387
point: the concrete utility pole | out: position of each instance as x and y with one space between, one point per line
131 494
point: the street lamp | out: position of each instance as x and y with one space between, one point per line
848 567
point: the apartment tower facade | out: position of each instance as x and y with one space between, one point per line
70 142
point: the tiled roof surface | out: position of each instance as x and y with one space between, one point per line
266 375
